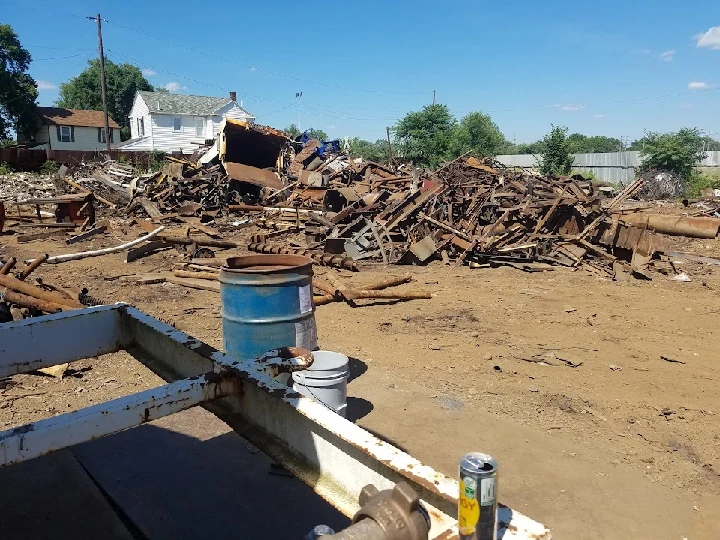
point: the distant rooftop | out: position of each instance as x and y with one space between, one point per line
164 102
59 116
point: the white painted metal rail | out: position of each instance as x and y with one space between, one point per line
332 455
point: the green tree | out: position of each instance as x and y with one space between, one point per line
555 155
318 134
425 136
377 151
582 144
477 133
18 90
678 152
293 131
123 81
529 148
162 90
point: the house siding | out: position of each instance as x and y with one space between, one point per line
140 110
86 138
233 110
166 139
159 134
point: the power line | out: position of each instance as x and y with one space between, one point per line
251 97
42 10
57 57
275 73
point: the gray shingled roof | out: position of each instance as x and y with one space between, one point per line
183 104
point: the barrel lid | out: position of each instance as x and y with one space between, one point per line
266 264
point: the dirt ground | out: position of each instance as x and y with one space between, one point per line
598 398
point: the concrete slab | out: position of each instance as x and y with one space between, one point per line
51 498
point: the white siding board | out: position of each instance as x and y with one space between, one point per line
159 134
233 110
139 110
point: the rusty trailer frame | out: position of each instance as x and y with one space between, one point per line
335 457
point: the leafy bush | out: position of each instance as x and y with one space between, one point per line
556 157
156 161
49 167
701 180
5 168
677 153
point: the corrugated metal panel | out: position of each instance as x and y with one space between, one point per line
616 167
712 159
518 160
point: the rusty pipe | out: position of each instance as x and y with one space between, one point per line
386 283
390 295
32 266
9 265
324 299
693 227
24 300
15 284
199 242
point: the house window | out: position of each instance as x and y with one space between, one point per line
141 127
177 123
101 135
199 127
65 134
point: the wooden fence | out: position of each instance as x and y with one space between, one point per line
28 159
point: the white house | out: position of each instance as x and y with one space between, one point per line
71 129
178 123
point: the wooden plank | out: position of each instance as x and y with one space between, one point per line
86 234
202 284
195 222
50 225
145 279
23 238
143 250
149 207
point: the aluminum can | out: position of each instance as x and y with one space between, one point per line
477 502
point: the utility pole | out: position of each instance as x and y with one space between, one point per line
103 86
390 159
433 97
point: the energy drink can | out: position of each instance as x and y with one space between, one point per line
477 503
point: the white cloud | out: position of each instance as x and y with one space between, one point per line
569 107
667 56
253 69
148 72
710 39
599 116
174 87
697 85
45 85
686 106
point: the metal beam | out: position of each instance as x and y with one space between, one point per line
46 341
332 455
45 436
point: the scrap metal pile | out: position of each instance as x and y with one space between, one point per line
468 211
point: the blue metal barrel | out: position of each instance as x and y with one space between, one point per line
267 303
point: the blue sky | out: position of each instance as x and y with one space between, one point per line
601 68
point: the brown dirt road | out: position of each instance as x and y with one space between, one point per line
559 375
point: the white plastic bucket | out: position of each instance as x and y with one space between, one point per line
326 380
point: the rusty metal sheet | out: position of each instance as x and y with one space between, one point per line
475 164
253 175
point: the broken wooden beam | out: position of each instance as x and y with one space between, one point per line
87 234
